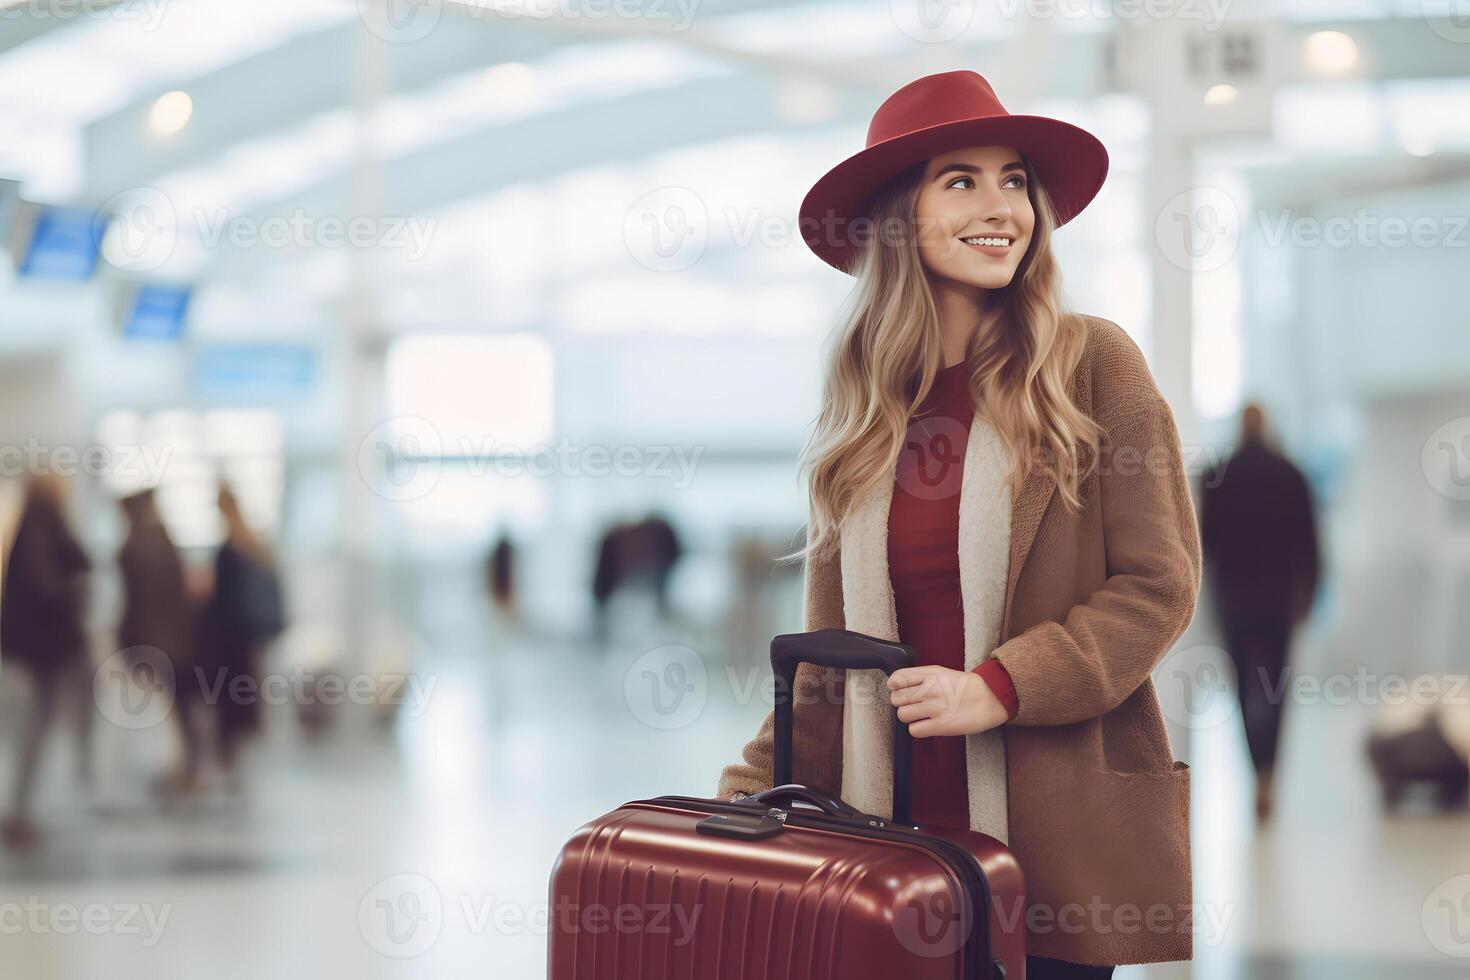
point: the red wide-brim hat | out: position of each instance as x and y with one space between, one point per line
933 115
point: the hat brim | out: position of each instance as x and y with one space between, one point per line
1070 162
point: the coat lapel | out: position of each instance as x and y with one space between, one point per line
1026 513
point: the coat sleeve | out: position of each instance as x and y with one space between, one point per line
1106 647
817 717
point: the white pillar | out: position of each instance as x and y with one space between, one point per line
361 360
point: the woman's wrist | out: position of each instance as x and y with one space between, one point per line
995 676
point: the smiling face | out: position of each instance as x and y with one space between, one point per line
974 216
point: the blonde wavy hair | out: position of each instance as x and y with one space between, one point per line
888 351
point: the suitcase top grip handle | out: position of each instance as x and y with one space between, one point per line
838 648
785 795
854 651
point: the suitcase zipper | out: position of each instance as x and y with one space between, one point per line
964 864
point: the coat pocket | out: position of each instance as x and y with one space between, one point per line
1138 824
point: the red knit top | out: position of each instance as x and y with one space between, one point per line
924 568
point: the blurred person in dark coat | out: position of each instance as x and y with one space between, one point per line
43 633
1258 529
634 554
662 549
158 617
606 573
500 576
243 614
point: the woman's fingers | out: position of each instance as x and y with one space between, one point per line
910 684
908 695
923 729
922 699
915 711
909 676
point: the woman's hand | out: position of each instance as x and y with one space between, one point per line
936 700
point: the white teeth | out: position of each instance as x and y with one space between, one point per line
986 241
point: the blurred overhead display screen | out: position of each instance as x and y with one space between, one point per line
157 312
64 243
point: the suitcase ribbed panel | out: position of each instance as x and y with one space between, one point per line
800 914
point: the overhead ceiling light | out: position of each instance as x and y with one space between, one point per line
171 112
1221 94
806 100
1419 146
1330 53
513 82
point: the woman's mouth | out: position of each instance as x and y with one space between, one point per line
996 245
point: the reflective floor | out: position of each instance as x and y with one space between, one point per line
423 847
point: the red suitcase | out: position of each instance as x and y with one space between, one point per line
790 883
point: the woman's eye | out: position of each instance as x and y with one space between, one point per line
970 181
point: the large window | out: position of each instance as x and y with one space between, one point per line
186 455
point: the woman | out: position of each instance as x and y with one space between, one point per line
157 625
243 614
43 601
998 483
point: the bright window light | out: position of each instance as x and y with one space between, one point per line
186 455
480 393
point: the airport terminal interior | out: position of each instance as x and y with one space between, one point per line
490 326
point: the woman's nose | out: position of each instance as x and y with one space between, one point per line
994 204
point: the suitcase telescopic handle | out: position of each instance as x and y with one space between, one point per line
854 651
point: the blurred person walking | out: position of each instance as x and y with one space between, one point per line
500 577
156 631
634 555
1261 555
42 632
243 614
